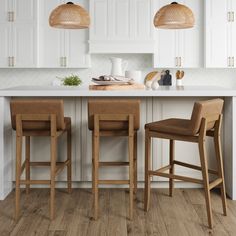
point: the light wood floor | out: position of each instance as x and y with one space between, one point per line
184 214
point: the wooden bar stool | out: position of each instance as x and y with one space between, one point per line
114 118
40 118
205 121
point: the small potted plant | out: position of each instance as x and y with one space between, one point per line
72 80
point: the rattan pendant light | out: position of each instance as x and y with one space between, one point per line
174 16
69 16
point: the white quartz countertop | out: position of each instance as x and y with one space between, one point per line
162 91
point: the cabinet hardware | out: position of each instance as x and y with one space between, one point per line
65 62
9 16
229 16
232 18
176 61
13 61
61 61
180 61
12 16
229 62
9 61
232 62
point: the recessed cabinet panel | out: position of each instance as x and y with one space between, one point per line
25 10
99 19
4 10
19 28
217 33
5 45
121 12
144 25
24 46
76 49
165 52
185 49
50 41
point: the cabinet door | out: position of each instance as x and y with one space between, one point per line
165 44
232 52
121 22
51 40
191 40
24 33
217 33
76 45
5 45
5 32
99 19
143 20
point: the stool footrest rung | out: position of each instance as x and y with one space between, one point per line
215 183
35 182
193 167
117 163
179 177
113 181
163 169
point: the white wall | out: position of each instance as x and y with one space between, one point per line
101 65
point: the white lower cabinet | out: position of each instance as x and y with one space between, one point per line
180 48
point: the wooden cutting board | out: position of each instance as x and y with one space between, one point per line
116 87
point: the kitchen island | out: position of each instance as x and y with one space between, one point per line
165 102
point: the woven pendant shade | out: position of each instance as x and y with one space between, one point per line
174 16
69 16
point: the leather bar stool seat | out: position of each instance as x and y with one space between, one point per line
114 117
205 121
40 118
171 126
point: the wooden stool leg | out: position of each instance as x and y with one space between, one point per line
27 162
220 171
204 165
135 163
147 168
171 181
95 174
18 175
69 160
131 176
53 172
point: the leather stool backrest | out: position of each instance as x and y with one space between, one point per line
205 109
113 106
43 106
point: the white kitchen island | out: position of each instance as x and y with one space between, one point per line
155 105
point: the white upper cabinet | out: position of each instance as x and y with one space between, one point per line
183 47
18 27
60 48
121 26
218 28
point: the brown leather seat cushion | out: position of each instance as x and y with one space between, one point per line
171 126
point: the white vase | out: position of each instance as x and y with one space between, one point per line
116 67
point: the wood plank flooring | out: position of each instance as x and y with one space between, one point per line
183 214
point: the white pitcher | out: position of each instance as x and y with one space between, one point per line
116 67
